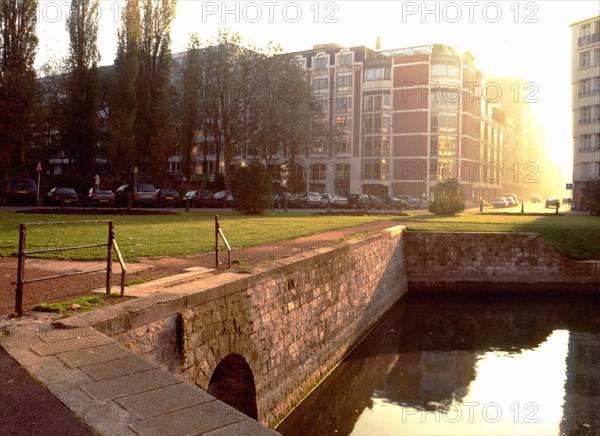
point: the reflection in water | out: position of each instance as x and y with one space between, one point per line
474 366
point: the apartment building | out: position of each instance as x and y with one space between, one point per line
408 118
585 76
402 120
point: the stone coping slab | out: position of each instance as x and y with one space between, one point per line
115 391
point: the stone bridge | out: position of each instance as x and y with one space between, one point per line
261 341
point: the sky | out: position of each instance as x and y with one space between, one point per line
530 39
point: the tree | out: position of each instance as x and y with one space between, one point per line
122 106
81 130
252 188
448 199
189 110
229 72
283 111
153 118
18 43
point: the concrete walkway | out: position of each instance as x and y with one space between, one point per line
113 390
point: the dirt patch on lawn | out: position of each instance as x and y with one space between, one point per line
76 286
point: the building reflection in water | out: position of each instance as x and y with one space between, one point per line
468 366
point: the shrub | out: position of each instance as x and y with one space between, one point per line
252 188
448 198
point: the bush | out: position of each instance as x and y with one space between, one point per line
252 188
448 198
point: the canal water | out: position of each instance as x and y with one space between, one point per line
466 365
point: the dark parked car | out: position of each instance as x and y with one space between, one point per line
141 194
168 197
19 191
100 197
552 202
61 196
359 201
410 202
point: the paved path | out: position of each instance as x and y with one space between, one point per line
110 388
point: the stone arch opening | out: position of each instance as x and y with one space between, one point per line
233 383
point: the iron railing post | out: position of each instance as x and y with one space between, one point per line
111 237
20 270
217 226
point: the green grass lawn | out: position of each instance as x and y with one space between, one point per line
165 235
577 236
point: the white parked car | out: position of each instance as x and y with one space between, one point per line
333 200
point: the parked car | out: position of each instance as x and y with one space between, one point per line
412 202
99 197
140 194
292 202
500 203
510 202
513 199
552 202
536 199
19 191
168 197
567 200
359 201
393 203
222 199
59 196
312 200
334 200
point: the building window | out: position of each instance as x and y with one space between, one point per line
444 70
598 85
585 114
444 122
318 173
317 146
376 146
443 146
584 59
375 169
343 105
342 171
345 59
343 144
376 123
320 84
344 81
301 62
379 102
382 73
343 124
321 62
446 99
586 29
586 87
597 56
585 143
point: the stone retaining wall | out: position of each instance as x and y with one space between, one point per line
501 261
292 322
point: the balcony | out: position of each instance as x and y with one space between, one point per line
588 39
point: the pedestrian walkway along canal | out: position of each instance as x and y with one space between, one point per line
466 365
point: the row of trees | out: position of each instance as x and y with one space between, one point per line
242 99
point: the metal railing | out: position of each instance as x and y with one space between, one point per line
219 232
23 253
